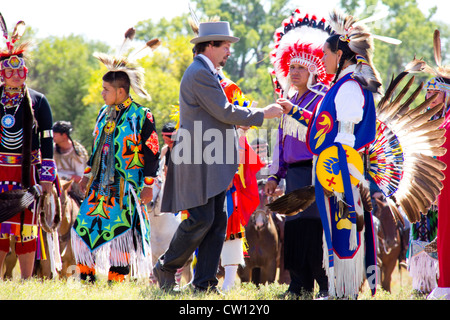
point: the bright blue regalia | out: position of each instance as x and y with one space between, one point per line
345 255
112 224
349 254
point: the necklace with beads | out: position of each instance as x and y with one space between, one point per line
10 99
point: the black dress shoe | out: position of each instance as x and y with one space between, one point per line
165 279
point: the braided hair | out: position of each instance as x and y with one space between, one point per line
335 44
64 127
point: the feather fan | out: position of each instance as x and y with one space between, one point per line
15 201
294 202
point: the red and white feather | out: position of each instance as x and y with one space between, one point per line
296 42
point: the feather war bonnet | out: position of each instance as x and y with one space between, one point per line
300 40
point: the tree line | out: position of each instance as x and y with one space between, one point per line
64 69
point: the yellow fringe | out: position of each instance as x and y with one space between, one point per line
41 237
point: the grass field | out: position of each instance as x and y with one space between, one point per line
73 289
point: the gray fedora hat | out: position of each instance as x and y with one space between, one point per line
214 31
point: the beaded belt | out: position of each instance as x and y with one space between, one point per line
16 158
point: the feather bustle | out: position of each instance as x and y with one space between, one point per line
421 140
437 47
390 91
436 163
410 211
395 210
405 107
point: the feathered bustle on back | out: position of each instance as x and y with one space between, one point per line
402 159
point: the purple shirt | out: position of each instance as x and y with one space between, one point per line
290 148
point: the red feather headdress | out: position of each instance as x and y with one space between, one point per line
300 40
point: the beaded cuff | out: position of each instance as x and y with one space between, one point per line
48 170
274 178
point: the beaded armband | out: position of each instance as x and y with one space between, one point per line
47 134
48 170
301 115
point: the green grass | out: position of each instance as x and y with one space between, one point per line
36 289
73 289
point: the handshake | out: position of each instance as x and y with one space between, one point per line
275 110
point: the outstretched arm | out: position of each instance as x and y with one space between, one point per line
301 115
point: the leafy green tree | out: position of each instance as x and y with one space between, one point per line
60 69
405 22
254 22
164 69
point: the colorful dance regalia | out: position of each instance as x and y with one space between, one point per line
292 134
441 83
423 266
443 235
12 153
243 198
112 227
348 253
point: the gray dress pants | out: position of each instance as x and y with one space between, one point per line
205 229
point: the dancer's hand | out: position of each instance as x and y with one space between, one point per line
270 187
285 104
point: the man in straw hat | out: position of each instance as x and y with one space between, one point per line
204 159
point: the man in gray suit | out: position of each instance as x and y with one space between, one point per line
204 160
